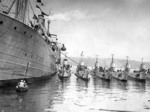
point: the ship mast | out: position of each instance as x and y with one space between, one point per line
112 61
127 63
82 56
141 64
142 67
112 65
96 63
127 66
82 59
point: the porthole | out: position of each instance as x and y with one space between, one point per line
15 28
31 56
1 22
25 32
25 54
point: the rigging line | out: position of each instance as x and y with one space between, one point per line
28 14
70 58
5 5
31 7
9 12
10 7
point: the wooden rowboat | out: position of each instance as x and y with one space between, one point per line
22 89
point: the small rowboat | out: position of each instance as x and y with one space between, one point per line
22 89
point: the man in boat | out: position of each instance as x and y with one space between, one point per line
68 67
22 84
81 66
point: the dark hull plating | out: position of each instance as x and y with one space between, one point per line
104 75
122 76
140 76
20 44
79 76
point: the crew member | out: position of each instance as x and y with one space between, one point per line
21 84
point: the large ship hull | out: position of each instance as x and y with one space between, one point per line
19 45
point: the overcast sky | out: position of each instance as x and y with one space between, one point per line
103 27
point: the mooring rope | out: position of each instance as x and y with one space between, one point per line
70 58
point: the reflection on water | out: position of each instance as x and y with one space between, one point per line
76 95
100 83
81 83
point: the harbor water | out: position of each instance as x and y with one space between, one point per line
76 95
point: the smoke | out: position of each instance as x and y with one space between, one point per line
68 16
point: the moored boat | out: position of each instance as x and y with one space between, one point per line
64 75
82 71
83 74
101 72
64 72
139 75
22 86
122 75
106 75
22 89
